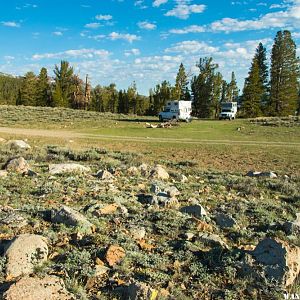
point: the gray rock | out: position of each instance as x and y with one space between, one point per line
195 210
18 165
268 174
133 171
293 227
172 191
212 240
24 253
139 291
159 172
71 217
281 261
55 169
155 188
224 221
105 175
34 288
143 168
18 144
138 233
11 218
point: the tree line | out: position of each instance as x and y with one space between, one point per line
269 91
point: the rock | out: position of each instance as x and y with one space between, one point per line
143 168
100 270
106 210
30 173
138 233
140 291
293 227
195 210
33 288
2 140
18 144
155 189
189 235
159 172
3 173
212 240
262 174
24 253
281 261
133 171
114 255
224 221
18 165
172 191
71 217
56 169
104 175
11 218
183 178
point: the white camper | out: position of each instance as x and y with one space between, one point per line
177 110
228 110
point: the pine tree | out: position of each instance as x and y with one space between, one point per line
217 93
28 90
161 94
43 96
232 92
284 76
181 86
253 91
64 85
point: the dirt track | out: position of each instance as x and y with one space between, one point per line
64 134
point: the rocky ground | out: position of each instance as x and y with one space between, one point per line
97 224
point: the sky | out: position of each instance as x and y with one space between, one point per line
141 41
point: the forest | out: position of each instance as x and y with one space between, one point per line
270 89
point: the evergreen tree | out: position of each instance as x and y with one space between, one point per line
224 90
284 76
217 93
232 92
43 95
28 90
181 86
10 89
64 84
253 91
161 94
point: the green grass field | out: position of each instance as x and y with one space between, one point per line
211 144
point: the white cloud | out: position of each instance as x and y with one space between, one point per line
9 57
189 29
147 25
188 47
158 3
93 25
123 36
183 9
131 52
78 53
57 33
11 24
103 17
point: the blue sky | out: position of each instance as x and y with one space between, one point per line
144 41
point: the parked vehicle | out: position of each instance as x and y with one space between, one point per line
228 110
177 110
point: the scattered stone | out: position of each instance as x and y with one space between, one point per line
293 227
140 291
18 144
183 178
172 191
11 218
2 140
3 173
155 189
225 221
212 240
56 169
104 175
106 210
159 172
18 165
262 174
138 233
114 255
281 261
24 253
100 270
133 171
71 217
143 168
189 235
195 210
34 288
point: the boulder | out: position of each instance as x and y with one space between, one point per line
212 240
56 169
18 144
172 191
140 291
24 253
11 218
143 168
281 261
138 233
293 227
104 175
18 165
33 288
133 171
71 217
114 255
224 221
195 210
159 172
268 174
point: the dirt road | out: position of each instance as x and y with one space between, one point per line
64 134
